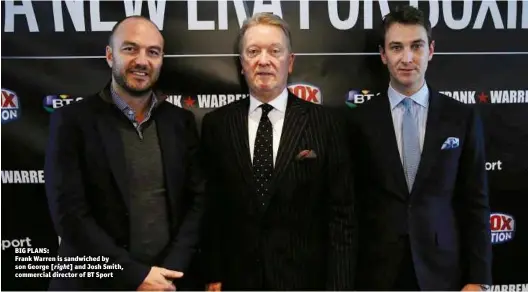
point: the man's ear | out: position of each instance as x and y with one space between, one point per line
290 62
382 54
431 49
109 56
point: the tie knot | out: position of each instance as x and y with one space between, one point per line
407 102
266 108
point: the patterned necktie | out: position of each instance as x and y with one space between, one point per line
263 153
410 143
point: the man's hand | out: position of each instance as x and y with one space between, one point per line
159 279
473 287
213 286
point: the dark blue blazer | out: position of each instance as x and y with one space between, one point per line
446 215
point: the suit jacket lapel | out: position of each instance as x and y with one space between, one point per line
294 122
433 139
238 132
383 128
113 146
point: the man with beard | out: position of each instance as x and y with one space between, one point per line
122 177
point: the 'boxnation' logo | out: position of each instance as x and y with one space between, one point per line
357 97
204 100
10 106
502 227
53 102
307 92
22 176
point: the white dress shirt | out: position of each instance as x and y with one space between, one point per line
419 109
276 117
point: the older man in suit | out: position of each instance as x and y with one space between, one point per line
281 213
421 183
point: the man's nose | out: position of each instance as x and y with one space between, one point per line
264 59
141 58
408 55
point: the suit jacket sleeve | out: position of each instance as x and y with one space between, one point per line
342 221
472 188
184 245
212 253
70 212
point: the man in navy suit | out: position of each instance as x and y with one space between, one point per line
422 193
122 175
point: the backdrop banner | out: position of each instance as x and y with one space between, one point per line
53 55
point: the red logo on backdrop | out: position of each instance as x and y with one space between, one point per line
10 106
502 227
9 99
307 92
189 102
483 98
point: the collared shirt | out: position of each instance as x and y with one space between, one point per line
276 117
419 109
130 113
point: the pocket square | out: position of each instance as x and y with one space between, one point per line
450 143
306 154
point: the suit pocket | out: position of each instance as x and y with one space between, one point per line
445 170
307 170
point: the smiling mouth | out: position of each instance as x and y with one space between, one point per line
139 73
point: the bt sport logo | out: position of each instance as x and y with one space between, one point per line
53 102
357 97
10 106
307 92
502 227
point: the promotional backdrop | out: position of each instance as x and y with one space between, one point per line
53 55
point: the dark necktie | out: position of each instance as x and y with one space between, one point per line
263 153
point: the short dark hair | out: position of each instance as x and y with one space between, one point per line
405 14
116 26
